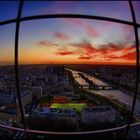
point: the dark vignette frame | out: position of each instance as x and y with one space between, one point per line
20 19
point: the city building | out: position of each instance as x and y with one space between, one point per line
37 92
56 80
100 114
6 97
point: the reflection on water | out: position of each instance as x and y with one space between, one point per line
96 81
81 81
114 94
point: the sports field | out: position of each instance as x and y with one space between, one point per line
76 106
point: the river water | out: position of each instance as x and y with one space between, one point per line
114 94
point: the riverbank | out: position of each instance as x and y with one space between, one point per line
122 97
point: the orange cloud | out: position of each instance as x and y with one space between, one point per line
87 52
84 57
130 56
106 52
65 53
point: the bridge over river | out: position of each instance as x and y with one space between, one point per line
86 81
121 96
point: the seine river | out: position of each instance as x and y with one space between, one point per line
115 94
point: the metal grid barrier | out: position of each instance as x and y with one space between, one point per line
20 19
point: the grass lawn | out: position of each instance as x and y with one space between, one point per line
77 106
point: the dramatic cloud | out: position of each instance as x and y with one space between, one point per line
85 46
86 26
105 52
85 57
85 50
61 36
62 53
130 56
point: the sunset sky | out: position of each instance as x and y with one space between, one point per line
69 40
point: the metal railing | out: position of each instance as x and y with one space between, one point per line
20 19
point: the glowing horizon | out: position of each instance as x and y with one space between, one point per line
69 40
77 41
